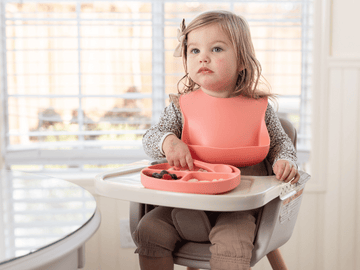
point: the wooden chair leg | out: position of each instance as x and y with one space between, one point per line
276 260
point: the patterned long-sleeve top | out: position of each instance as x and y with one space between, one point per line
171 120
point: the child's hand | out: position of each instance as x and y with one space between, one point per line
285 171
177 152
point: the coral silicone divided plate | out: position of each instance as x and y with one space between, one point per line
218 178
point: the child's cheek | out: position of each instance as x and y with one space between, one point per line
189 67
223 67
219 63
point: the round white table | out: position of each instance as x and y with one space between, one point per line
44 222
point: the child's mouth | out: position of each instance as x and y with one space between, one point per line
205 70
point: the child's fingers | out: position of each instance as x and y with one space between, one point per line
279 169
183 162
287 172
170 161
190 162
296 179
276 170
291 175
175 163
187 162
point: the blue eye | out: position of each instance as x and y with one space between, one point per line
217 49
195 51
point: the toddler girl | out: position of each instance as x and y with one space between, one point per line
221 92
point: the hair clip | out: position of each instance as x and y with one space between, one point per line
180 37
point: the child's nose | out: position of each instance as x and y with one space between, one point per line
204 58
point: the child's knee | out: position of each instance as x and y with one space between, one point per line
155 232
232 241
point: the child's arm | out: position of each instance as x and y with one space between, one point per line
170 123
282 153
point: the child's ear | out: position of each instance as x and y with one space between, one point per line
240 68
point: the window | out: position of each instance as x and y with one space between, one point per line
83 80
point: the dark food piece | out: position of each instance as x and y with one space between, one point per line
173 176
165 175
157 175
164 172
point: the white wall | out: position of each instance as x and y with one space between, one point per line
336 123
345 32
1 104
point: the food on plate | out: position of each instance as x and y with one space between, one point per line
196 180
165 175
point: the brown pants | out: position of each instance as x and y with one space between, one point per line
231 237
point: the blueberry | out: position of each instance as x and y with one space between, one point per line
156 175
173 176
163 172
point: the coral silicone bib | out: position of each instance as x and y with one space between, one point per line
225 130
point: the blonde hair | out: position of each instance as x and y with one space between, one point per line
238 31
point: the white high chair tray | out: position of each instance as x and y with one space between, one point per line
253 191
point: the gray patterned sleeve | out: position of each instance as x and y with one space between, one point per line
281 146
170 121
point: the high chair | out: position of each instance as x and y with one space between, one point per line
279 202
